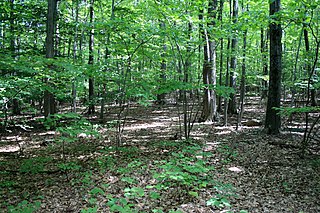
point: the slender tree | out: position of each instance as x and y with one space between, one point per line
308 66
91 59
243 75
163 66
209 72
15 102
220 13
273 120
264 51
226 100
75 39
233 61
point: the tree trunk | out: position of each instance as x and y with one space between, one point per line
312 94
15 101
74 89
264 52
233 65
273 120
226 100
49 100
209 74
90 61
221 55
243 76
107 55
294 72
163 67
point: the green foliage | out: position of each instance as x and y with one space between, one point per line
25 207
120 205
220 202
90 210
134 192
96 191
7 183
34 165
289 110
69 166
185 168
228 152
129 180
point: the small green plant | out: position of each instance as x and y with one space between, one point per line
96 191
90 210
134 192
34 165
85 180
7 184
129 180
121 205
286 186
219 202
93 194
69 166
315 163
59 120
154 195
186 169
25 207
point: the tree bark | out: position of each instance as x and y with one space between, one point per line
163 67
75 39
243 76
312 94
221 55
49 100
264 52
233 64
273 120
15 101
209 73
91 59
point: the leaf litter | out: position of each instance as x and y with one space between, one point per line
252 172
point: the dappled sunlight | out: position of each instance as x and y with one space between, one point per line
146 126
223 132
235 169
9 148
210 146
14 138
46 133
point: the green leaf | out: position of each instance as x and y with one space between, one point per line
193 193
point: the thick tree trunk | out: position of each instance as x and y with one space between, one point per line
49 100
273 120
90 61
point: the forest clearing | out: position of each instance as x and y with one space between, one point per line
159 106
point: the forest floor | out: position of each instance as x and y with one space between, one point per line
220 170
